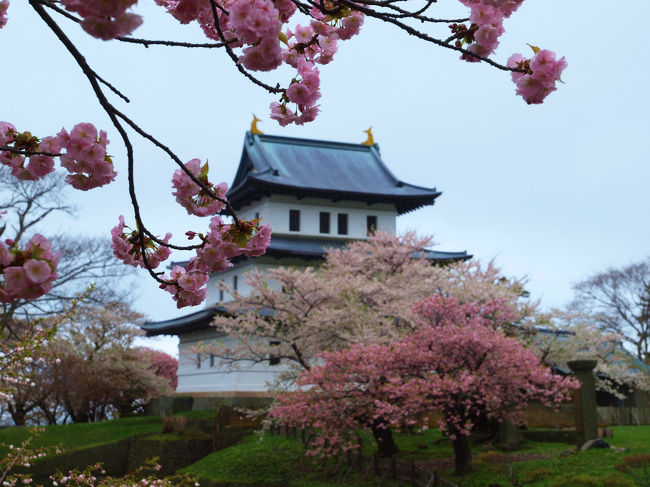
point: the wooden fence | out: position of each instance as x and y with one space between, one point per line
383 468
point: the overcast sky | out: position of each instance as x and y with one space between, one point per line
554 192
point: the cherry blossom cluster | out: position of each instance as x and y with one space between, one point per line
127 247
256 27
222 243
105 20
486 20
542 71
27 273
4 6
194 198
84 155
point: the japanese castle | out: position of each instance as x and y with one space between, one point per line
315 195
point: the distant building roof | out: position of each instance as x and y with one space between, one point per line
317 247
322 169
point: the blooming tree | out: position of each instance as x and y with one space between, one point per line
362 294
91 370
461 367
258 36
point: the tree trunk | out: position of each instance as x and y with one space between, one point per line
462 454
386 446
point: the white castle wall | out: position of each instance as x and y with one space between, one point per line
210 376
275 212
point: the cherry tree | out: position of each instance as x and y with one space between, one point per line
462 367
363 293
258 36
91 370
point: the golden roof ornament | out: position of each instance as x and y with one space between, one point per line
254 129
370 140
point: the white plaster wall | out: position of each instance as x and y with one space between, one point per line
248 378
275 212
226 277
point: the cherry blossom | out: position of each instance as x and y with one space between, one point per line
542 71
27 273
194 198
105 20
126 247
86 158
4 6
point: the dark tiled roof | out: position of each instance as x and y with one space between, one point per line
316 168
316 247
195 321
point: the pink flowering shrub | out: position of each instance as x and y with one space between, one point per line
459 365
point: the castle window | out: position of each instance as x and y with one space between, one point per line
220 295
257 215
324 222
371 224
235 282
273 360
343 223
211 360
294 220
198 360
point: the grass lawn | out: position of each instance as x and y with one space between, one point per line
276 459
73 436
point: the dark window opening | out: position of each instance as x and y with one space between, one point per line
220 295
234 282
294 220
324 222
211 360
198 360
371 224
343 223
273 360
257 215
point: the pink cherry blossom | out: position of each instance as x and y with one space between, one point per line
4 5
37 271
105 20
542 71
7 133
260 241
27 273
190 195
125 248
85 157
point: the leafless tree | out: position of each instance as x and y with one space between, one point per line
85 260
620 300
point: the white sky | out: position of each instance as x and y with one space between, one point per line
555 192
